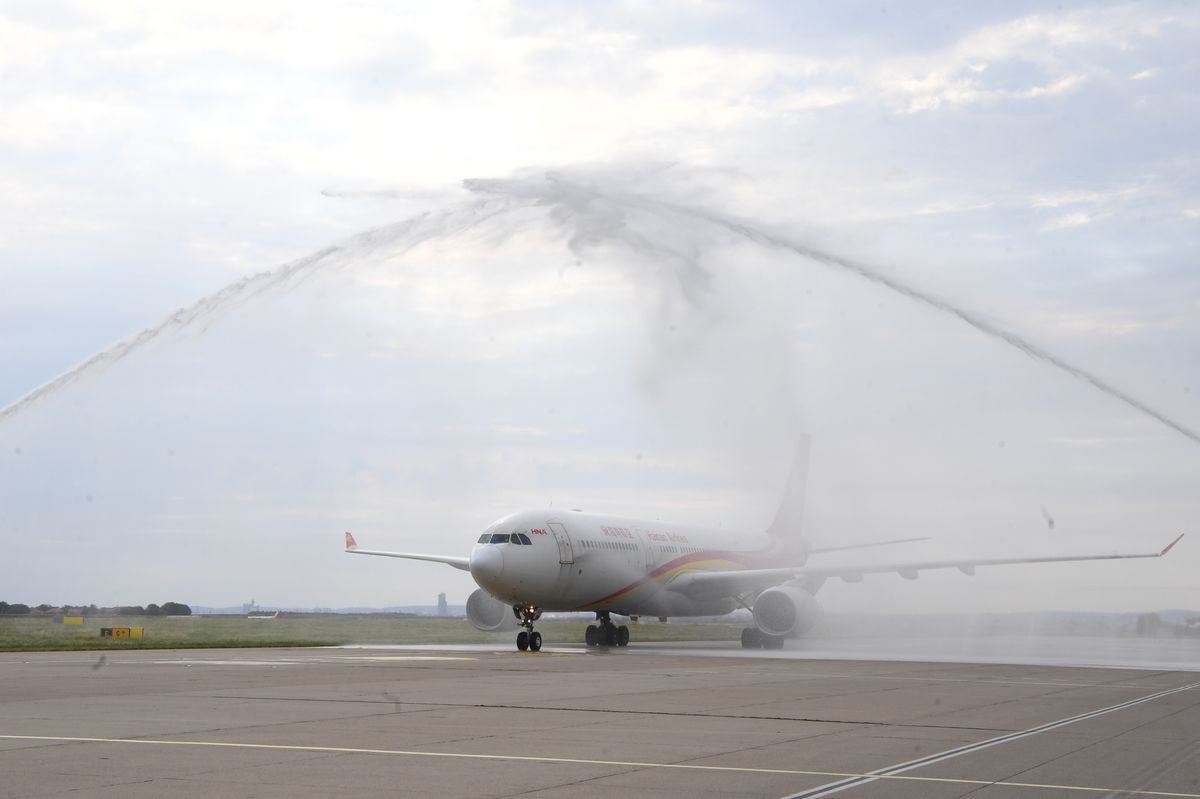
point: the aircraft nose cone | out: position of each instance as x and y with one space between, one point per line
486 564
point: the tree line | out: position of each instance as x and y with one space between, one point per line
165 609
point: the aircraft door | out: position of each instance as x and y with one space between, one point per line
645 551
566 555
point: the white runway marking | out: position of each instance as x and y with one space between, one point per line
892 771
484 648
636 764
399 657
292 661
1073 652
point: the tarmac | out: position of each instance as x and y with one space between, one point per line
646 721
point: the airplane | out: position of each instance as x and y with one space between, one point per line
542 560
265 616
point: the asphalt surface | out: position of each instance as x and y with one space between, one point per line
642 721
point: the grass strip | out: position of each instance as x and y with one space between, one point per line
41 634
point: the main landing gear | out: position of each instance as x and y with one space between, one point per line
528 639
754 638
606 633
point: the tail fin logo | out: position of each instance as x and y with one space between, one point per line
350 542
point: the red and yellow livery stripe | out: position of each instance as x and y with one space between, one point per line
695 561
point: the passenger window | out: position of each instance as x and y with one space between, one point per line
499 538
524 539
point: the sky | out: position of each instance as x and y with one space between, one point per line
405 268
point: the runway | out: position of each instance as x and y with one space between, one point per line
644 721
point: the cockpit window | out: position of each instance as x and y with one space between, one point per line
524 538
483 539
499 538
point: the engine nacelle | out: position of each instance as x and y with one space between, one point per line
489 614
786 610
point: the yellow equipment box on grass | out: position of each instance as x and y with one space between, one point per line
122 632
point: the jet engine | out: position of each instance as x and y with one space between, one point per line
786 610
489 614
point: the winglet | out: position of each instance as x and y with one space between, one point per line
1173 543
352 544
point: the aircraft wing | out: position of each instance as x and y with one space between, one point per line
449 560
867 545
715 584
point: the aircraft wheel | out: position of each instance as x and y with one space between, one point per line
591 635
751 638
772 642
535 641
622 636
522 640
609 635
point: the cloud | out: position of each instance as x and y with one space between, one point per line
1066 49
1023 166
1058 199
1105 322
1067 221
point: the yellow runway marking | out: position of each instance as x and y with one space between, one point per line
588 762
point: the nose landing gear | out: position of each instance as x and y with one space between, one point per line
606 633
528 639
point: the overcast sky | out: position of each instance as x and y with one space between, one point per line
594 309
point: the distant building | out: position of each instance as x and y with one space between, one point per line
443 609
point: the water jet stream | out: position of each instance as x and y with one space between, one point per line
418 229
591 215
858 268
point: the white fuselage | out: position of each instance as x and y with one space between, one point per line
577 561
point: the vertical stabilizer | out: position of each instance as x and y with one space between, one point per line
785 531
